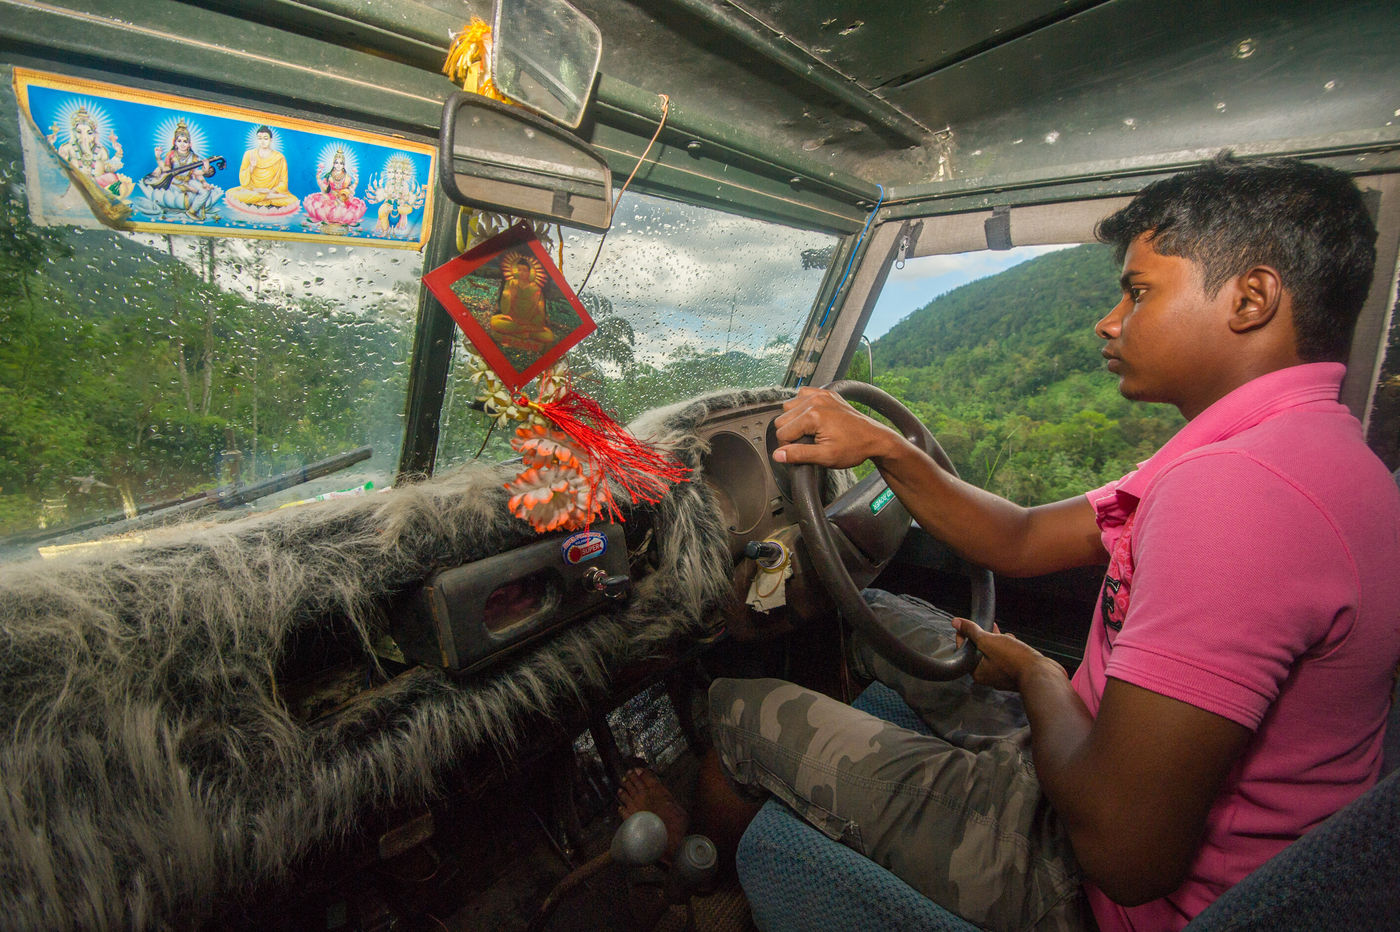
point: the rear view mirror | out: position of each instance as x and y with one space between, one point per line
499 158
544 55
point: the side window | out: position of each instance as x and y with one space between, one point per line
1383 428
996 353
144 374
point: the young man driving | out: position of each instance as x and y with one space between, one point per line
1240 663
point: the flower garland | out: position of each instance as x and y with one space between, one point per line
571 451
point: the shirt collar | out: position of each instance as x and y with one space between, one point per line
1247 406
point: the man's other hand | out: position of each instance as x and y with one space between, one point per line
1005 659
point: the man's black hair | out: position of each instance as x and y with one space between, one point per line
1307 222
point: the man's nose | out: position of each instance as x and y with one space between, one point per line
1111 323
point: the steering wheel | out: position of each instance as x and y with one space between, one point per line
858 534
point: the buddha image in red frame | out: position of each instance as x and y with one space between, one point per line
513 303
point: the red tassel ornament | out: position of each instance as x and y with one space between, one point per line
611 453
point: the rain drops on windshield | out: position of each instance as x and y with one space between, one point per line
148 370
686 300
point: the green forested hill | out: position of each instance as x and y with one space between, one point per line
1044 307
1007 372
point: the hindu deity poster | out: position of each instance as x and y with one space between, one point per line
513 304
145 161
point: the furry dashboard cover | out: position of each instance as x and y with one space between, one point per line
148 769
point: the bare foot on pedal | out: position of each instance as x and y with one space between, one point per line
642 791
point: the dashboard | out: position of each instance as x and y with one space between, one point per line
754 493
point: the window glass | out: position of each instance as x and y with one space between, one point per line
996 353
1383 427
686 299
144 376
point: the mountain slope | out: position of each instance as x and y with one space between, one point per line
1042 301
1006 371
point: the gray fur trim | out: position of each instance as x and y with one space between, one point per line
150 771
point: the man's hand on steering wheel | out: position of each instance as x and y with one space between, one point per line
841 436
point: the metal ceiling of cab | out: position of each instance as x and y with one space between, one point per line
799 111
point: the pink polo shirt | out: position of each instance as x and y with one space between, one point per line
1253 573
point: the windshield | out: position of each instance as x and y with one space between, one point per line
687 299
145 376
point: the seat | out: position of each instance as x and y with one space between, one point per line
1343 874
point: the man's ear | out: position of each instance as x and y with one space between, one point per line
1259 294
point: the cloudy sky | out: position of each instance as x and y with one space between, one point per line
690 268
685 275
681 275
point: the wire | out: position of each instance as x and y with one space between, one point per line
779 573
553 842
489 428
855 250
665 112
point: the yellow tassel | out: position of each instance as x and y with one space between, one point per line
464 220
469 60
469 63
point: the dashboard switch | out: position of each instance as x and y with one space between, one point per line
767 553
613 587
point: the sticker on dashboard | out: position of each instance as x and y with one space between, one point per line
881 500
585 545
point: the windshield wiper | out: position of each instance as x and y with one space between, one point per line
224 497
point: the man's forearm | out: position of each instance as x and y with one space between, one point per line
1132 788
982 527
1060 730
1060 725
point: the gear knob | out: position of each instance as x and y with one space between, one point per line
639 840
696 864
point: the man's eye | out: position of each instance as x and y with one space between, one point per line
1136 294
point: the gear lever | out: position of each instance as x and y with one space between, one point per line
640 840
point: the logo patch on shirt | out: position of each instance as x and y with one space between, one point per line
1113 611
1117 589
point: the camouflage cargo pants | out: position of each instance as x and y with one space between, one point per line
959 816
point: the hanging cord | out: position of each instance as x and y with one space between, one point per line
489 429
855 251
665 111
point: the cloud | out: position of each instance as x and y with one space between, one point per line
685 275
